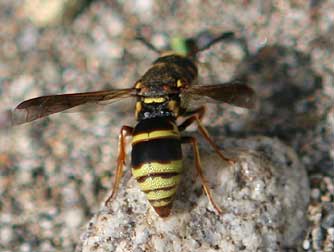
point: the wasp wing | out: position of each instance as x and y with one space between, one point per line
234 93
39 107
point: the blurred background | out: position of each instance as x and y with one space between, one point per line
56 172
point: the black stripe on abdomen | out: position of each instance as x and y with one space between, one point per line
162 150
153 124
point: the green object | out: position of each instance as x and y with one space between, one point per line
179 45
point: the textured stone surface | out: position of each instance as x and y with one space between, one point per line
264 196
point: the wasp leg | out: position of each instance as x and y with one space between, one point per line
196 116
198 112
193 141
125 131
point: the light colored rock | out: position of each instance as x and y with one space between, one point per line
264 195
44 13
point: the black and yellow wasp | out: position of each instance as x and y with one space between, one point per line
162 95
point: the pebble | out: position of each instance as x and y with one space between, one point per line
254 217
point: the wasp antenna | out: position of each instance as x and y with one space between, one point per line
148 44
224 36
205 40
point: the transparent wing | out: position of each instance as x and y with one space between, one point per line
39 107
234 93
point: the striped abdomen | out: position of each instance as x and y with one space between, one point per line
157 161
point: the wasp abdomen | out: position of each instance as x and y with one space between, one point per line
157 161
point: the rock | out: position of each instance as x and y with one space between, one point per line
45 13
264 196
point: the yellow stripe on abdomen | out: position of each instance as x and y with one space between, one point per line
156 161
158 182
161 194
161 203
156 167
149 135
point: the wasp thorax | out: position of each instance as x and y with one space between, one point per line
157 100
152 107
156 90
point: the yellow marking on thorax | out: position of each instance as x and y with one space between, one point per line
138 108
154 100
174 133
152 183
179 83
155 167
138 85
173 107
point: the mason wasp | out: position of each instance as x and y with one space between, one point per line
162 94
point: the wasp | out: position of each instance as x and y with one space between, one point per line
162 94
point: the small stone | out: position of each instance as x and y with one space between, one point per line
306 244
73 217
6 235
44 13
264 200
